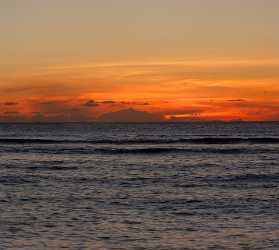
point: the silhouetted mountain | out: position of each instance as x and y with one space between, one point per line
129 115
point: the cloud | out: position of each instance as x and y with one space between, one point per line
135 103
52 106
90 104
49 103
63 110
122 102
11 113
10 103
129 115
107 102
186 114
237 100
12 117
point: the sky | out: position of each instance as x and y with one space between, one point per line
180 60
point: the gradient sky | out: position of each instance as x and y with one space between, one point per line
68 60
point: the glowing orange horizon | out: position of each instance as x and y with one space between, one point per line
176 90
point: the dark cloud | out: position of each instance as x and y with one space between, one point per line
135 103
12 117
193 110
49 103
39 114
39 117
183 119
10 103
108 102
129 115
11 113
237 100
142 103
60 111
54 106
90 104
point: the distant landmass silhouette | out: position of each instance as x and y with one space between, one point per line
129 115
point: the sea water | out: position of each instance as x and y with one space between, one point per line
139 186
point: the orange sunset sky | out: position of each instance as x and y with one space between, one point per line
181 60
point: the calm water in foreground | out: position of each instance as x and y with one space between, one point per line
139 186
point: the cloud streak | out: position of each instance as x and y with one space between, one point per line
90 104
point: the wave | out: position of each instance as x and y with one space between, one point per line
15 180
50 168
139 150
31 141
162 150
204 140
145 150
258 178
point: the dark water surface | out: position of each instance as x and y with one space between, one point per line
139 186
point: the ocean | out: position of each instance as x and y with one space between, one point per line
139 186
